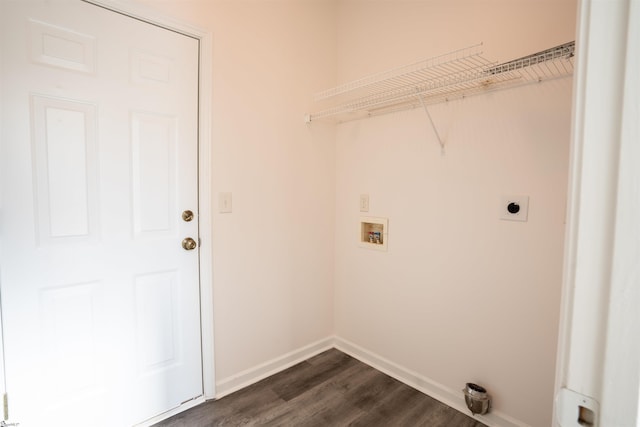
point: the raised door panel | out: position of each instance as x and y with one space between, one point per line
65 169
154 167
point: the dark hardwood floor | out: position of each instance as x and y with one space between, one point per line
330 389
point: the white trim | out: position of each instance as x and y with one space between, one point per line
451 398
271 367
206 216
572 215
2 119
148 14
621 385
598 350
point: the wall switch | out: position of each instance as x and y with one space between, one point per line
514 208
364 203
224 202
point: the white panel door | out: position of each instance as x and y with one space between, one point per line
98 161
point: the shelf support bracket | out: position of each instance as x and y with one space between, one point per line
433 125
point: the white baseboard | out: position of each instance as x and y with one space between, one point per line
264 370
452 398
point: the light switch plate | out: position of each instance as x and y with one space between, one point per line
224 202
514 208
364 203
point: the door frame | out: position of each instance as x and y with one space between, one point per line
598 363
205 81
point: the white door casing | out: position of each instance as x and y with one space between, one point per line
598 350
100 303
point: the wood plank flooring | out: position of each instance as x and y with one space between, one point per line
330 389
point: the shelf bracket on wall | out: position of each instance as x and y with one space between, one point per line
433 125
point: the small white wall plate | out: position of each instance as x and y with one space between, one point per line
514 208
575 410
224 203
364 203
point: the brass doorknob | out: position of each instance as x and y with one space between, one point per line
189 244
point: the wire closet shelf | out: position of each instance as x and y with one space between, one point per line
453 75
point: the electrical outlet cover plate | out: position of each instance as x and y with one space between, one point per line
514 208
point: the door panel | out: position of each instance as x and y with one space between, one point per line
98 159
65 168
61 47
154 183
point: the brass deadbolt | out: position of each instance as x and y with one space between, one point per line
187 215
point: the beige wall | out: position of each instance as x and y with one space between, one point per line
460 295
374 35
273 255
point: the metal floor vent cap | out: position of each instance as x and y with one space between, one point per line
477 399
